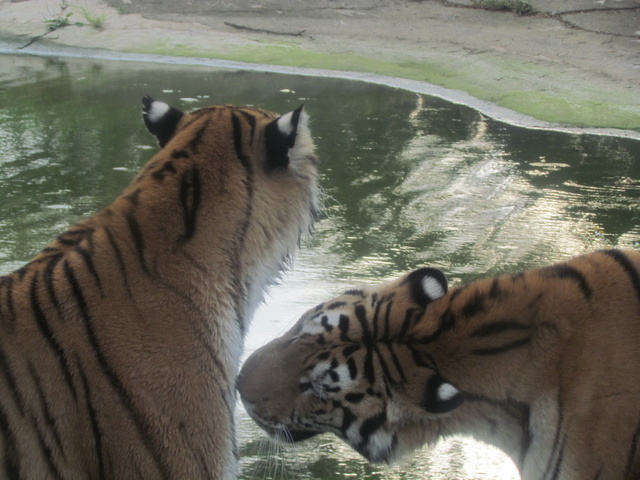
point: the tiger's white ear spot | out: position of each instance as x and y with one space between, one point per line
427 285
432 287
157 110
285 124
446 391
440 396
303 146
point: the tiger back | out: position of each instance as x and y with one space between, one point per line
545 365
120 341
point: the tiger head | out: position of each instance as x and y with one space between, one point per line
347 367
245 182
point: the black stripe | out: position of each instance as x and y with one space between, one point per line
354 397
502 348
496 291
406 323
348 417
237 135
49 278
116 383
88 261
633 453
422 358
251 120
354 292
134 198
44 406
564 271
324 321
370 426
95 427
361 315
350 349
10 316
168 167
45 449
558 446
175 154
18 400
383 364
11 456
190 196
555 474
119 259
527 438
71 237
194 143
352 367
499 327
335 305
369 371
628 267
396 361
376 317
474 305
387 323
138 239
43 326
374 299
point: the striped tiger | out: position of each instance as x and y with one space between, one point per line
545 365
120 342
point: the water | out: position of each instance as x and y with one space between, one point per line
409 181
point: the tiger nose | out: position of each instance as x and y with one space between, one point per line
269 378
253 382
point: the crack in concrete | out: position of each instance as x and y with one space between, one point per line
590 10
559 16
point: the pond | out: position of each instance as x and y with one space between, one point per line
409 180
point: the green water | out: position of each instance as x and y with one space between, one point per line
409 181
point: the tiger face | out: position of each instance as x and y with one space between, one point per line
541 364
347 367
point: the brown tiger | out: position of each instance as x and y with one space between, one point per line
120 341
545 365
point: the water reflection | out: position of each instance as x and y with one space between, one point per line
409 181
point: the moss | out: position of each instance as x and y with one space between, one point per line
573 111
565 106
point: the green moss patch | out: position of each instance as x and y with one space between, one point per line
564 106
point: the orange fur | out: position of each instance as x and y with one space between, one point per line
544 365
120 342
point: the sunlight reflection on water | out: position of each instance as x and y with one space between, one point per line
409 181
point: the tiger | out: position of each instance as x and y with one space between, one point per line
544 365
121 340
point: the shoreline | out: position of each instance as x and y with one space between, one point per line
531 71
495 112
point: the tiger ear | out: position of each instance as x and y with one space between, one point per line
427 285
161 119
440 396
288 139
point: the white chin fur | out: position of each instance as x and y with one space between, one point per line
157 111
